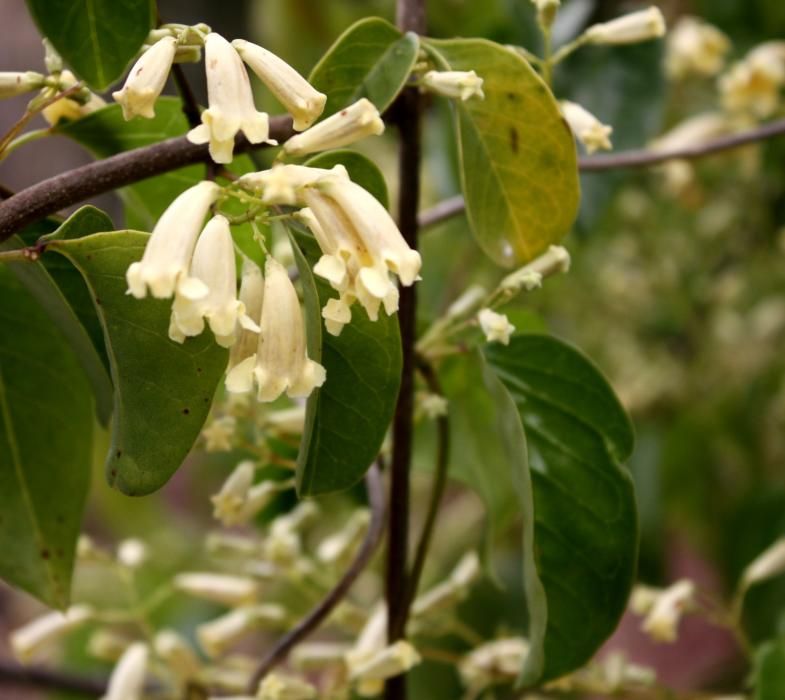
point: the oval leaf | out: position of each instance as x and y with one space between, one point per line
347 419
163 390
370 59
519 167
97 38
585 520
46 424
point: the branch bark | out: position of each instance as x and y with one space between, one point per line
311 622
638 158
55 193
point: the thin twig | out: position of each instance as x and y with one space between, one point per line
55 193
190 105
35 677
311 622
437 489
638 158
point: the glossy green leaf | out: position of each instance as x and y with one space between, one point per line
346 420
585 520
62 293
360 168
370 59
163 390
97 38
46 424
769 673
519 168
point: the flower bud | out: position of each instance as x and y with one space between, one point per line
300 99
26 641
766 565
15 83
146 80
219 634
392 661
127 679
629 29
338 547
662 621
219 588
278 687
132 553
107 645
343 128
496 327
547 11
177 654
589 130
461 85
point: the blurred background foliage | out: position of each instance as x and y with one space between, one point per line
678 296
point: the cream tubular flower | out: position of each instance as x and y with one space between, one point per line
766 565
16 83
662 621
695 47
251 295
68 107
146 80
754 85
461 85
218 588
392 661
496 327
282 184
589 130
165 263
26 641
294 92
127 679
219 634
343 128
281 362
213 264
229 502
278 687
629 29
177 654
375 227
231 106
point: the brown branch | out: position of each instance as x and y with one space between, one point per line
311 622
638 158
74 186
12 674
411 17
437 489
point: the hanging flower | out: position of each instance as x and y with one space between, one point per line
281 362
127 679
167 256
589 130
294 92
146 80
213 264
352 124
251 294
231 106
461 85
629 29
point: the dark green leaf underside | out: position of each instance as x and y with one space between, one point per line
46 424
163 390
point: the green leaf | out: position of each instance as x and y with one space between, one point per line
769 673
585 521
46 424
62 293
519 168
361 169
97 38
370 59
163 390
346 420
